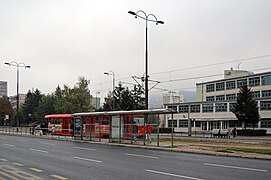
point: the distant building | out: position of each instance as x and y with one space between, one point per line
211 110
13 100
3 89
96 102
172 97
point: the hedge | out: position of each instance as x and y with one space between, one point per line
251 132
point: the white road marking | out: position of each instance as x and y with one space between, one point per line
89 149
47 143
36 170
11 145
174 175
144 156
18 164
58 177
38 150
235 167
86 159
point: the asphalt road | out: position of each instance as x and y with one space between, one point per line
34 158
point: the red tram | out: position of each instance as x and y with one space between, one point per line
98 124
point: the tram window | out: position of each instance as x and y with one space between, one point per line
59 121
105 121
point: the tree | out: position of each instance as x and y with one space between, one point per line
30 107
124 99
245 108
6 109
81 97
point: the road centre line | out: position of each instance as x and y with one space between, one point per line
170 174
10 145
89 149
86 159
235 167
38 150
144 156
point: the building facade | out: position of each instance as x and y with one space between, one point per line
3 89
13 100
212 110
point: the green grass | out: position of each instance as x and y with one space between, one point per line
181 140
248 150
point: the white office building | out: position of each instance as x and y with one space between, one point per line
211 110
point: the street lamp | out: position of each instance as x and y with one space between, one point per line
18 65
113 74
146 18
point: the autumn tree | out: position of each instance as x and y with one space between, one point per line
6 109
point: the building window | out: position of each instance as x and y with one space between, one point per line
230 97
241 83
231 105
266 123
197 123
173 108
220 86
221 107
266 93
255 81
183 108
220 98
266 80
174 123
265 105
210 88
207 108
194 108
256 94
230 85
210 98
183 123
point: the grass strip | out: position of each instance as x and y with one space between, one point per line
249 150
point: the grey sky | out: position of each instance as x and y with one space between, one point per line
65 39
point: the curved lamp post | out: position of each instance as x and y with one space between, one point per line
18 65
113 74
146 17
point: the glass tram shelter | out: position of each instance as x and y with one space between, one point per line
135 126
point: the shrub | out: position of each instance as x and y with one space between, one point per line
163 130
251 132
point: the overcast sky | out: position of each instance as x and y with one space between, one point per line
64 39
